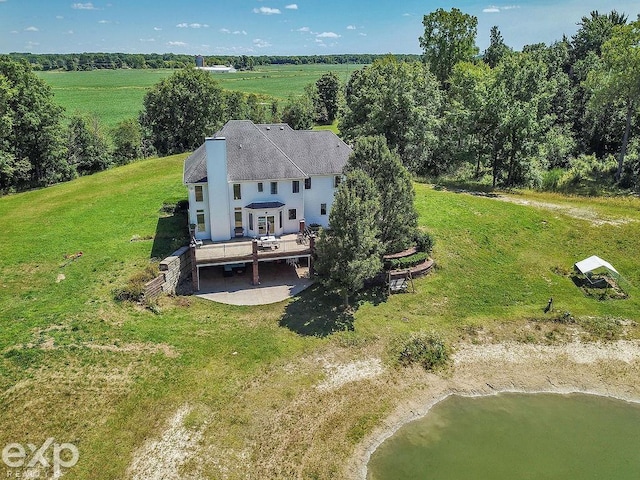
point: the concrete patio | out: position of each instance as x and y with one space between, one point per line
278 281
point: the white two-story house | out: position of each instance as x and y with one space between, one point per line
254 180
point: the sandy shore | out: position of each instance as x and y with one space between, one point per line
610 369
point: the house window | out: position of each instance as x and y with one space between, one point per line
295 186
274 188
259 187
251 221
200 221
237 195
323 209
292 214
199 194
238 218
307 183
280 218
336 181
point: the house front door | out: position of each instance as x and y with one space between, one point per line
266 225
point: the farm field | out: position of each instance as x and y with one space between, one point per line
246 382
116 95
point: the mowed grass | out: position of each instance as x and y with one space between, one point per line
116 95
83 368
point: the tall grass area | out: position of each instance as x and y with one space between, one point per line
116 95
80 366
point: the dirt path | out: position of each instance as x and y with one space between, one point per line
581 213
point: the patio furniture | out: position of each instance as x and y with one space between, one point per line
268 241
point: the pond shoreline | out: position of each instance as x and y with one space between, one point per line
605 369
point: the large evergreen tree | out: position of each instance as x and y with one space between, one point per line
497 48
181 110
350 252
398 216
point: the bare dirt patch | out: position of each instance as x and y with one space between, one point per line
581 213
341 374
163 458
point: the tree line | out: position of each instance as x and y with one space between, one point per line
551 116
40 146
560 116
93 61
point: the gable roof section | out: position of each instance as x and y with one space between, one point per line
271 152
252 156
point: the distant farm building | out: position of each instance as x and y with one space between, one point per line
201 65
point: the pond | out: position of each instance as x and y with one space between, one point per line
515 436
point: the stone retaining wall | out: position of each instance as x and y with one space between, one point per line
173 270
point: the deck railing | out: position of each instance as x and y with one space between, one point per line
220 252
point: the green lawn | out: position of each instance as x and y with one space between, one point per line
116 95
81 367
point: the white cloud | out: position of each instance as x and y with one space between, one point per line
328 35
69 32
406 14
31 29
239 32
510 7
267 11
147 39
225 30
351 27
103 22
33 44
491 9
362 34
177 44
192 25
259 43
83 6
157 29
304 29
293 6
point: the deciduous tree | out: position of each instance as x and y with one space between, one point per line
33 141
328 87
618 79
449 38
181 110
402 102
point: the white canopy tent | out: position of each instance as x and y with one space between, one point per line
593 263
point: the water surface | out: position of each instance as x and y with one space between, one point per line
513 437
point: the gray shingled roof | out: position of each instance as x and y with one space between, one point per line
271 152
195 166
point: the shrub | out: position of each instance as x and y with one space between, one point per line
424 242
408 262
428 350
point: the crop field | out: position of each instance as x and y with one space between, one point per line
82 367
116 95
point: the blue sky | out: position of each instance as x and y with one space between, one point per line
273 27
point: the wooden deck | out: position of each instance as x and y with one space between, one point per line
241 250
